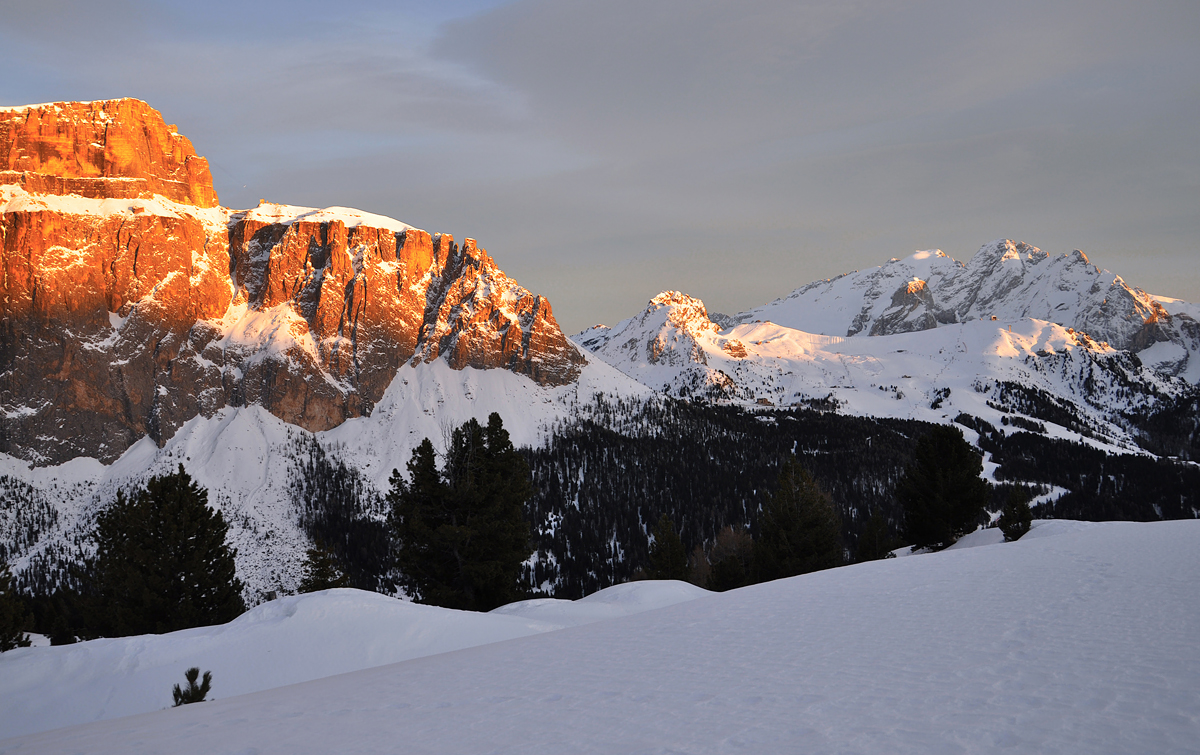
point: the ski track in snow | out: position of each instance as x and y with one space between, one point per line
1080 638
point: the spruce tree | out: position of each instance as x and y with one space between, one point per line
942 493
1016 517
161 562
800 530
321 570
668 560
875 541
731 557
13 618
460 533
192 693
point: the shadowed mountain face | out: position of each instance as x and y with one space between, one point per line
132 302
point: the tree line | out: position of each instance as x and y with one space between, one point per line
717 495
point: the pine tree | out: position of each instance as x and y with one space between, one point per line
161 562
460 533
668 560
321 570
193 693
942 493
875 541
13 618
731 558
1016 517
800 531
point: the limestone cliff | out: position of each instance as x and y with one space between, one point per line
132 302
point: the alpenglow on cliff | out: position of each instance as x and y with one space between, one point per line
132 302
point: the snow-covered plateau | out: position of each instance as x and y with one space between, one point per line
1079 638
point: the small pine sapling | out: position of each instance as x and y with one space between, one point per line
1016 517
193 693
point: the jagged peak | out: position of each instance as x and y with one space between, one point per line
684 312
1000 250
674 299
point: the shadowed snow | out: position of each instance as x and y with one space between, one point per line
1081 639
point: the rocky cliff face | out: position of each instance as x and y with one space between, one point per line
133 303
109 149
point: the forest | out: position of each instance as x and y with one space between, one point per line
601 483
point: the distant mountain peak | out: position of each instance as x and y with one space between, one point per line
927 337
1004 279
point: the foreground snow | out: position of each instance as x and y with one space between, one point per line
1077 639
286 641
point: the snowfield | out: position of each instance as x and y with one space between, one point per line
285 641
1080 638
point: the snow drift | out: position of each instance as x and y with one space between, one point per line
1077 639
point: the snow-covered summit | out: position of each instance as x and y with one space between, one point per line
271 213
1006 280
668 335
947 337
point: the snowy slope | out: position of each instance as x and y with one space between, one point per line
1081 641
247 457
282 642
928 374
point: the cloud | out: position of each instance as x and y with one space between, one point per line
604 150
806 139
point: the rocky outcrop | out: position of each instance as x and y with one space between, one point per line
105 149
133 303
912 309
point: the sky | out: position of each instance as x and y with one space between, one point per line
606 150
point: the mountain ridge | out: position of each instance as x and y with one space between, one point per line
134 302
256 346
912 331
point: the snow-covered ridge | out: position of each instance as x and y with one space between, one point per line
268 212
945 337
1006 280
930 375
14 198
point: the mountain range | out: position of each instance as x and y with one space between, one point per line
929 337
146 326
